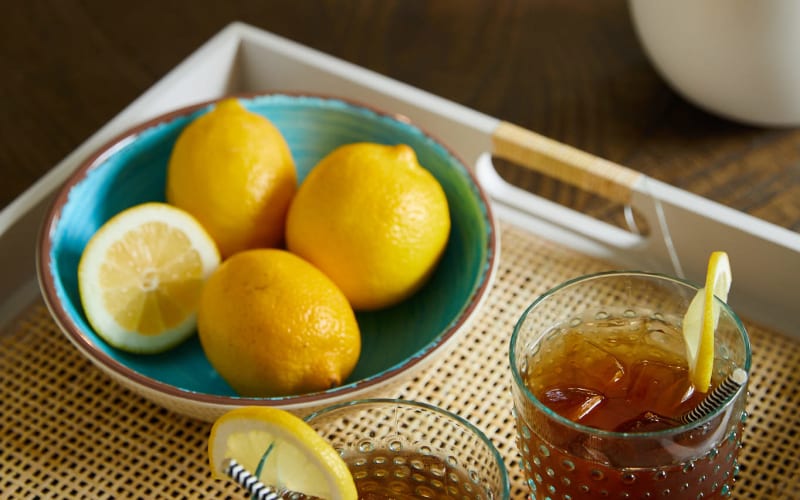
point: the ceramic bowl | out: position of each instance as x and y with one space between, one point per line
396 342
737 59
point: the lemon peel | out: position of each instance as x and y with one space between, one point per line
233 170
271 324
282 449
701 319
373 219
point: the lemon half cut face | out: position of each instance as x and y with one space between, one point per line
141 275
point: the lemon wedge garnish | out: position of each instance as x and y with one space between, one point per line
282 449
700 320
141 274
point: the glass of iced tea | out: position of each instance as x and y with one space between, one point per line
399 449
600 383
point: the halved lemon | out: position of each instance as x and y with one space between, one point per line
701 318
282 450
141 274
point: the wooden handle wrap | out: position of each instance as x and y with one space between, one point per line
563 162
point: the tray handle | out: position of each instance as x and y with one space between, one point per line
563 162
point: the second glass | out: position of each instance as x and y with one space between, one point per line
600 383
403 449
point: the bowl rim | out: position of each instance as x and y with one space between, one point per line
114 367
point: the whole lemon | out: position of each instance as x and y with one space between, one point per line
272 324
232 169
373 219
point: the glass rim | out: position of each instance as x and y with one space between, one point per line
678 429
498 458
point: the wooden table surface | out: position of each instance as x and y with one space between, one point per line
571 70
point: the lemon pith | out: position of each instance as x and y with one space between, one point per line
141 274
299 458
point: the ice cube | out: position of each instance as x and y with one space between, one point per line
589 447
675 396
647 422
620 452
664 338
598 369
658 386
574 403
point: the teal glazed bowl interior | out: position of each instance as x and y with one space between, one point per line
132 169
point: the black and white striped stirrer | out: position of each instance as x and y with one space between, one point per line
256 488
717 397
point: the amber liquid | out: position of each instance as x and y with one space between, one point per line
624 375
387 475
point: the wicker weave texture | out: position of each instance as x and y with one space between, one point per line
67 430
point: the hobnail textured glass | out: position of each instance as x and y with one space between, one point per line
563 460
407 448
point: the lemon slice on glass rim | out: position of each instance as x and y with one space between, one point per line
701 318
282 450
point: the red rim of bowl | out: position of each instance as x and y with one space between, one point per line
97 355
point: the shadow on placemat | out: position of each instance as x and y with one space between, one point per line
67 430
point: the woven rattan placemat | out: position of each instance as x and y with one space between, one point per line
67 430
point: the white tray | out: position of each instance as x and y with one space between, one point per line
765 257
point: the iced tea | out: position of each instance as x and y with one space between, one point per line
385 475
599 391
621 375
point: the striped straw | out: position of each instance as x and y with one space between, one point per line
256 488
717 397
